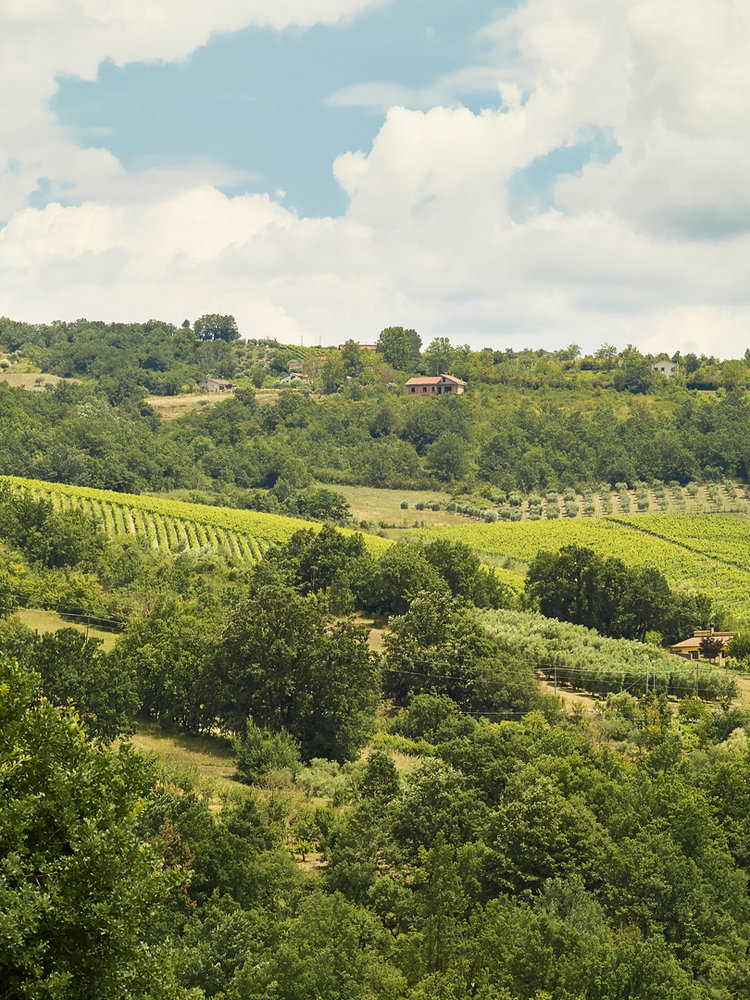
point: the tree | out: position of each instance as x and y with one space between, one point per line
281 663
334 373
636 378
439 356
212 326
396 579
83 894
739 647
710 647
437 647
168 650
400 347
351 357
314 560
577 585
449 457
74 669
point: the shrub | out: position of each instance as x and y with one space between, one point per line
260 752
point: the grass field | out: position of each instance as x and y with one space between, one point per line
48 621
714 558
384 506
172 407
31 380
204 763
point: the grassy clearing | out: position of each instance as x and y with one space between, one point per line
379 505
48 621
205 763
172 407
33 381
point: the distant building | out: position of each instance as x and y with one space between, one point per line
362 347
215 385
293 366
665 367
294 378
435 385
690 648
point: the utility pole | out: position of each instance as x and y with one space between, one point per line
555 680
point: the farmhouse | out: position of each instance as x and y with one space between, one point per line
294 378
665 367
215 385
690 648
435 385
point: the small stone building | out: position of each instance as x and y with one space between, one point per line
215 385
665 367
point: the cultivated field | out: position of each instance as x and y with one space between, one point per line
174 525
709 553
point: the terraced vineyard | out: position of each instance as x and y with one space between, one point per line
172 525
707 552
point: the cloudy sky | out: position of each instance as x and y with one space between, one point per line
501 172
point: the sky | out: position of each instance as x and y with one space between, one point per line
506 174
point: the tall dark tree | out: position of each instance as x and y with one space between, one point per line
400 347
212 326
283 664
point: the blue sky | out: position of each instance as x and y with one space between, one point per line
257 100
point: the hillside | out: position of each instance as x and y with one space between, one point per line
172 525
707 552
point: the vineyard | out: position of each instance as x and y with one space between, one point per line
583 660
174 525
606 501
708 552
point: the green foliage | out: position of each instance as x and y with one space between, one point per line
400 347
215 327
397 577
435 646
280 663
168 651
577 585
74 670
84 897
53 538
259 753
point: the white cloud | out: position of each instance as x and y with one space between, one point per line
651 248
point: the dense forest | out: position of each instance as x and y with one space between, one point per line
527 421
433 786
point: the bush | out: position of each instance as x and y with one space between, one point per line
404 505
259 753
